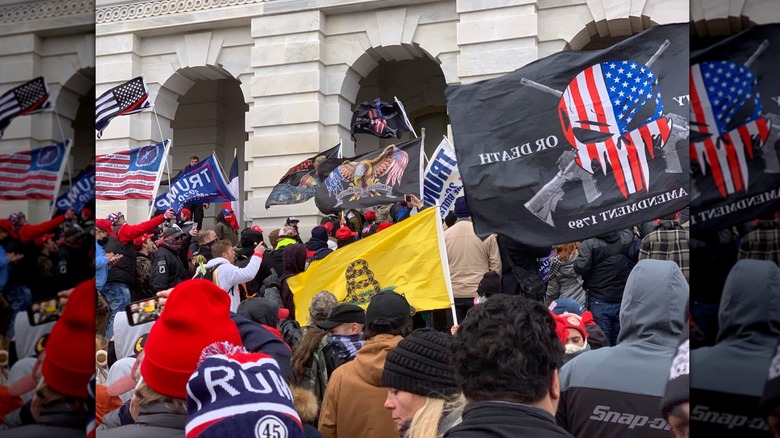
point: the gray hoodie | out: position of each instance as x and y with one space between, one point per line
617 391
729 377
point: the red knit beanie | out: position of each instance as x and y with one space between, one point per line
196 314
70 353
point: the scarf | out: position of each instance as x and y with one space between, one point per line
346 345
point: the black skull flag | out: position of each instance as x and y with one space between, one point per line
577 144
735 128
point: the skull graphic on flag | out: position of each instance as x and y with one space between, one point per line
727 121
612 112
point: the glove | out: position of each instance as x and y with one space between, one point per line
169 214
70 214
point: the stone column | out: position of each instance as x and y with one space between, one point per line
286 118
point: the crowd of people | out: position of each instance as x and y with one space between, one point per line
585 339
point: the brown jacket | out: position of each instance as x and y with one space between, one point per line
353 405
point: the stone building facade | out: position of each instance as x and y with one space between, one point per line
275 81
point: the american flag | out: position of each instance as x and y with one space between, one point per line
719 90
128 98
33 174
130 174
28 98
601 103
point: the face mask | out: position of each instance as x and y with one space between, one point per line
573 348
103 241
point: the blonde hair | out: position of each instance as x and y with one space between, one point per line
567 250
48 396
425 423
147 396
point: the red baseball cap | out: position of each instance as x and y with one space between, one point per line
139 241
344 233
40 240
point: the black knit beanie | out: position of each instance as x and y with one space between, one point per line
490 284
771 399
678 386
422 364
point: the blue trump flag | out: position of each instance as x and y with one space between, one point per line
200 184
81 192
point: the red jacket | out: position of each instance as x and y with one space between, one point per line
126 233
28 233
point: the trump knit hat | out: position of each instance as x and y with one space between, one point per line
234 393
422 364
196 314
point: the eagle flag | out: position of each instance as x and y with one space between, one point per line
408 258
735 128
381 176
300 182
577 144
381 119
28 98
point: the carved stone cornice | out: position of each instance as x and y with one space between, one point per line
155 8
45 9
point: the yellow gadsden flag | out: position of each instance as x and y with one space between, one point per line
408 258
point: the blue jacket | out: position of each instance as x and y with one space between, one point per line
101 266
4 266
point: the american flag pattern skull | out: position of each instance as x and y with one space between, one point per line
726 122
612 112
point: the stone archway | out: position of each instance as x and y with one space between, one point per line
202 110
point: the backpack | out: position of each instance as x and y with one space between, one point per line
530 283
205 273
331 357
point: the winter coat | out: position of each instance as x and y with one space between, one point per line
167 270
604 265
257 338
55 421
469 258
153 421
728 378
124 271
353 405
490 419
517 254
629 379
566 283
226 232
229 276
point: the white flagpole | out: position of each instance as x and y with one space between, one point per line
445 264
406 119
422 165
166 148
68 145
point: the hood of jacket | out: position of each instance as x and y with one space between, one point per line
653 306
126 336
750 305
216 261
610 237
370 359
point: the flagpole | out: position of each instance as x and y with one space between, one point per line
66 153
159 128
445 264
422 136
166 149
403 113
57 118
